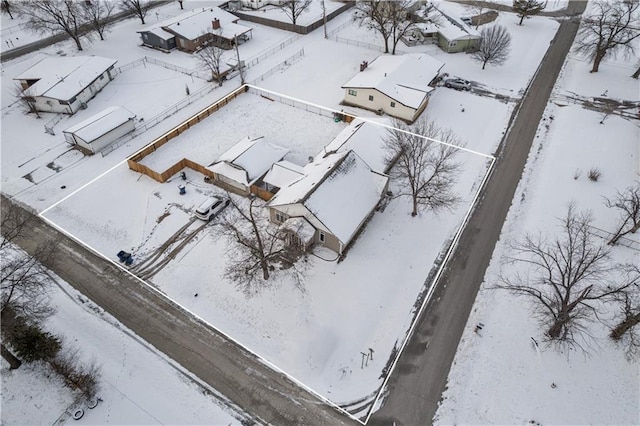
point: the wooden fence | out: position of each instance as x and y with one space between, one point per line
134 160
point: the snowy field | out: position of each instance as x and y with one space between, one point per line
512 379
307 17
138 386
364 302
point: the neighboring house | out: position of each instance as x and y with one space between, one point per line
450 33
65 84
191 30
336 196
255 4
399 86
245 163
102 129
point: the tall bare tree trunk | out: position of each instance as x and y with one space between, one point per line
10 358
597 60
624 326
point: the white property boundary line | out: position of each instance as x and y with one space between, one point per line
257 355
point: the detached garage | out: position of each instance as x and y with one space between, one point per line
102 129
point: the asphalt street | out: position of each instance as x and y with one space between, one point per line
420 377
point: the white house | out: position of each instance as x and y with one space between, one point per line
399 86
65 84
336 195
240 167
102 129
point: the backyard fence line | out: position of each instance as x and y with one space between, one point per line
278 67
253 61
292 102
364 44
11 30
156 119
339 28
154 61
49 125
606 235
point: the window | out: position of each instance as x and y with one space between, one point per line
353 92
321 236
101 76
370 97
280 217
72 100
393 104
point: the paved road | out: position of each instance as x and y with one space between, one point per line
420 377
57 38
258 390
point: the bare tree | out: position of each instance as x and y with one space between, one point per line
52 16
294 8
23 278
625 331
527 8
628 204
565 277
495 42
611 27
24 281
374 16
256 245
423 159
97 14
25 99
209 58
6 8
137 7
181 6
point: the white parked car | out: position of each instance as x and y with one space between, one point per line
211 207
458 84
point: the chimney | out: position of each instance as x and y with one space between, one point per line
216 24
363 65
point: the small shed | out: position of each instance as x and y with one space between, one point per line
102 129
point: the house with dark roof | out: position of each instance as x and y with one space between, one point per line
330 203
191 30
397 85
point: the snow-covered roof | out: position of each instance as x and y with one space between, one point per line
103 122
452 27
283 173
64 77
230 171
340 190
159 32
197 22
300 226
254 156
404 78
366 139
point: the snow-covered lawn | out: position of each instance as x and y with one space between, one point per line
138 386
306 17
364 302
513 382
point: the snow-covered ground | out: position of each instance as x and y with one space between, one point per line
310 15
513 382
137 385
364 302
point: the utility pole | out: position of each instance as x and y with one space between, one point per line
324 17
240 64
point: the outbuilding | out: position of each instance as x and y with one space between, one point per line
102 129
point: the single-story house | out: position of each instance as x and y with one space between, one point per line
65 84
191 30
399 86
336 196
450 33
244 164
102 129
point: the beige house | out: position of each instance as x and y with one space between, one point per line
399 86
335 196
